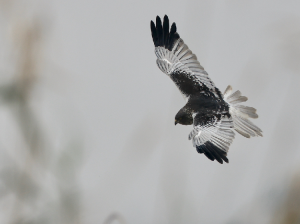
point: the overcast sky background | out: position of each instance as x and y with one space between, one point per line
98 89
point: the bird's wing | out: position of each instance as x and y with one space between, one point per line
175 59
212 136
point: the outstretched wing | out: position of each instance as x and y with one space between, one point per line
212 136
175 59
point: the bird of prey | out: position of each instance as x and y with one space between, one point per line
213 115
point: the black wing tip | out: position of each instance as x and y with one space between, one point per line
173 27
212 152
162 35
158 20
166 18
152 26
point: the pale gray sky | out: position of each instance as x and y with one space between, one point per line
98 82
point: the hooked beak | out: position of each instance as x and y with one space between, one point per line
176 122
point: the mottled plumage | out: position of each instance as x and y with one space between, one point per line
214 116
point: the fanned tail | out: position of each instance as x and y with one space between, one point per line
241 113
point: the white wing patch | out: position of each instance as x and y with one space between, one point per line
218 133
182 59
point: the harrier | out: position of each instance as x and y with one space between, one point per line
213 115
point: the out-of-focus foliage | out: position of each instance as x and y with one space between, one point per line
288 211
37 185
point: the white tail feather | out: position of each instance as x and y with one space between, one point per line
241 113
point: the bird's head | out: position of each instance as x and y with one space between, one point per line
183 117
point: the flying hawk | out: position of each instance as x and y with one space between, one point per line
213 115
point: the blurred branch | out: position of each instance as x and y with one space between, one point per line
114 217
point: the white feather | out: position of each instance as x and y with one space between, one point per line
181 58
241 113
219 133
